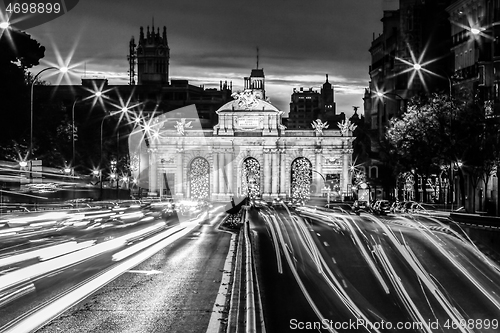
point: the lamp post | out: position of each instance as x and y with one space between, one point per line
385 94
324 182
63 70
73 162
124 109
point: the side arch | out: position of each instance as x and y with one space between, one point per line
199 179
301 178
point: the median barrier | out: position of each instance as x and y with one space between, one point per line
476 220
244 313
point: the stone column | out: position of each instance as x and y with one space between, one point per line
222 182
267 174
275 173
179 186
215 174
345 172
319 180
282 190
229 172
153 171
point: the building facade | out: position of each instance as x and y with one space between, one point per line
308 105
248 153
415 34
475 30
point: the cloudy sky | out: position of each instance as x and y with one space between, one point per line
299 42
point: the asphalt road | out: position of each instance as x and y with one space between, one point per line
169 285
321 271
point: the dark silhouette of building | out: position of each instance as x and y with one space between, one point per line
418 33
309 105
154 93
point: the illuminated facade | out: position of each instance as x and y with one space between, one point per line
249 152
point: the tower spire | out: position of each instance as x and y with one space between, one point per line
257 58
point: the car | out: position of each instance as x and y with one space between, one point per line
429 210
407 206
397 206
362 206
382 207
342 207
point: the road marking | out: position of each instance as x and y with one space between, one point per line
151 272
334 261
220 300
326 244
13 295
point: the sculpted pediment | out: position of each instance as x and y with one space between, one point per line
248 100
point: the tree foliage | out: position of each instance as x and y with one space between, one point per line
18 53
437 131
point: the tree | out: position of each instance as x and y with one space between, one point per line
18 53
436 131
414 141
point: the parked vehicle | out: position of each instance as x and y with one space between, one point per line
382 207
429 210
362 206
342 207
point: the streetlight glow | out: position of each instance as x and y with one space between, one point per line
23 164
417 67
475 31
4 25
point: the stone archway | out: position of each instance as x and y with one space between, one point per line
250 178
301 178
199 178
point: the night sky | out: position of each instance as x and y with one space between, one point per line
213 40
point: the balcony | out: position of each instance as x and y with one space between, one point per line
467 73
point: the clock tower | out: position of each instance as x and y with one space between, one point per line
153 56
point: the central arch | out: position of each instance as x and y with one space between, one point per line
199 179
301 178
250 178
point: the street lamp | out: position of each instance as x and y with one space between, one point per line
73 162
124 109
382 95
324 182
62 70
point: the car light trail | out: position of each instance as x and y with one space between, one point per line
142 245
367 257
275 244
325 272
34 254
400 289
40 316
13 295
462 269
300 283
452 312
29 273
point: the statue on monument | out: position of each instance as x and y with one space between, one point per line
247 99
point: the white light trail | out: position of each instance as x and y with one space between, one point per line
42 315
144 244
275 244
422 274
